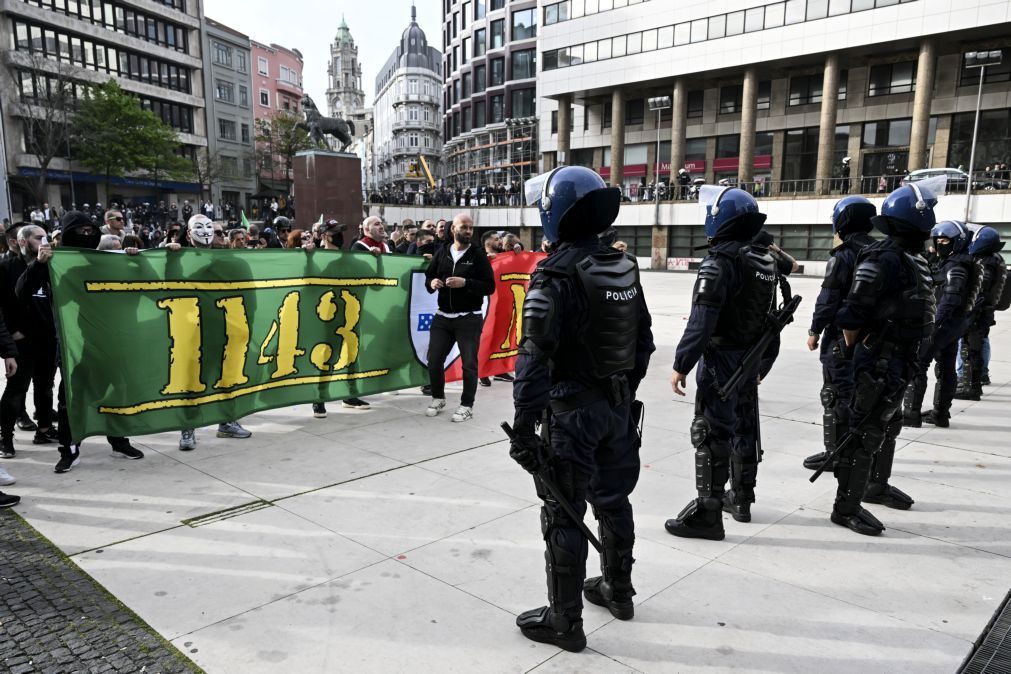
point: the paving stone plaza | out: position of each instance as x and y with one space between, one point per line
387 541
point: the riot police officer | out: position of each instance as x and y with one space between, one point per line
985 249
586 345
734 293
851 223
956 284
888 310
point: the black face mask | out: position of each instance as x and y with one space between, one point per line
944 249
427 249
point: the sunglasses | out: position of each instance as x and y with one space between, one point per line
218 232
118 218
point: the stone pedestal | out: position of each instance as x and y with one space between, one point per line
329 183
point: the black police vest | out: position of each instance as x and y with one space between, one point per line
969 292
909 316
610 284
743 318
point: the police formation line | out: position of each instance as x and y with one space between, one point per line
883 314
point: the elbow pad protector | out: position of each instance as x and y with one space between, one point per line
867 281
540 310
710 285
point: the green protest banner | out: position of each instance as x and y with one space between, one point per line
167 340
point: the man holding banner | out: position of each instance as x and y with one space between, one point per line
462 275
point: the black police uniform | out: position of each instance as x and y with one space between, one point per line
837 366
956 285
993 276
734 293
891 307
586 345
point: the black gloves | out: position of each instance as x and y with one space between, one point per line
526 447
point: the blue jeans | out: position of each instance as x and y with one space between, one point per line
986 358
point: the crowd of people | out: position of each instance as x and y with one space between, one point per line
28 330
500 194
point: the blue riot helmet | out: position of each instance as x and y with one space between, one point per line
573 202
908 212
852 215
731 214
957 238
986 241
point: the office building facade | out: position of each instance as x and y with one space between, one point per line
408 115
490 92
228 87
151 47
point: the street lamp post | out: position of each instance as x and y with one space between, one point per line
659 104
978 59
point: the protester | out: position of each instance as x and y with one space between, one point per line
237 239
110 242
202 233
462 276
79 231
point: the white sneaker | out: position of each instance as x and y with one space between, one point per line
6 478
463 414
187 440
436 406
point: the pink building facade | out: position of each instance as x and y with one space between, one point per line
277 87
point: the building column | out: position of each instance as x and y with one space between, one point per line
564 120
617 138
659 248
678 128
826 127
749 101
921 106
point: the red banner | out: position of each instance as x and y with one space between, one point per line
503 324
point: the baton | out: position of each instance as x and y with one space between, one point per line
569 509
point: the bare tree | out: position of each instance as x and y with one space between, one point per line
208 169
47 109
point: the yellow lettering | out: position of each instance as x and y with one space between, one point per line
327 311
285 328
185 351
233 363
516 322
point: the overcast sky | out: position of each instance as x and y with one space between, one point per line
310 27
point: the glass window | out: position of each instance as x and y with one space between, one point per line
682 34
551 59
994 74
730 99
735 23
795 11
892 78
860 5
649 40
497 72
497 109
618 45
480 7
635 43
589 52
700 30
728 146
497 34
635 111
466 86
480 42
524 64
665 37
805 89
696 104
817 9
524 24
479 114
717 26
243 96
523 103
754 19
603 49
480 73
245 133
764 96
837 7
774 15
